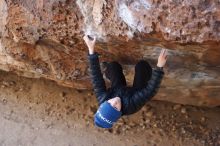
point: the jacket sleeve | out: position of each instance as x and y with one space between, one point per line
97 78
140 97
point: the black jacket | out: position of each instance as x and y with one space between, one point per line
132 100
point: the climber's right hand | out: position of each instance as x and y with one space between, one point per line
162 58
90 42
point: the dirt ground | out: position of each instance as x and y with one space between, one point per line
40 113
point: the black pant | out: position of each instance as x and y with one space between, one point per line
143 72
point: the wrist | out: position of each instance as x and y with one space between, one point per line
159 65
91 51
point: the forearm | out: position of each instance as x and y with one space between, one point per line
154 83
146 94
97 78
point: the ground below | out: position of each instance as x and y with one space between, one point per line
39 112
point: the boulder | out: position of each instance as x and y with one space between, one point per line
43 39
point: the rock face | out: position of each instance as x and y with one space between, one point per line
44 39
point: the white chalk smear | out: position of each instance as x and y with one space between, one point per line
126 15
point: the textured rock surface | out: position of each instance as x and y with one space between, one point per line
44 39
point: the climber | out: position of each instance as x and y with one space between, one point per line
120 99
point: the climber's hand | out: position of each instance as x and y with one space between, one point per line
90 42
162 58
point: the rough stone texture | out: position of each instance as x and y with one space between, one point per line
44 39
